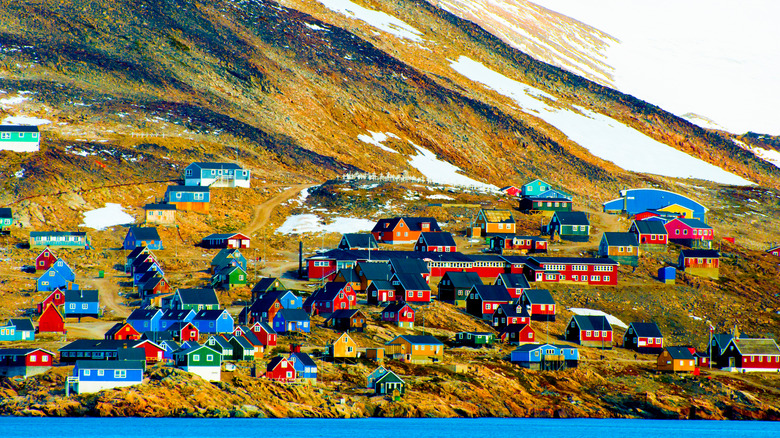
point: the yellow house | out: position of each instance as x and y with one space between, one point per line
160 214
491 221
416 349
343 347
679 209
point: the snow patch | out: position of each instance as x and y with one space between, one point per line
11 101
377 138
24 120
315 27
380 20
592 312
603 136
442 172
768 155
19 174
311 223
438 196
108 216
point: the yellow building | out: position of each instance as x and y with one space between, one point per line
160 214
343 348
415 349
687 213
491 221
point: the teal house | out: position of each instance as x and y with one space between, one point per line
570 225
6 218
17 138
59 239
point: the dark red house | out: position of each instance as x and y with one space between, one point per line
435 242
56 298
517 334
579 270
411 288
45 259
399 313
264 333
644 337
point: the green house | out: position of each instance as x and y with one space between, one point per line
475 339
19 138
569 225
229 277
6 218
59 239
201 360
388 383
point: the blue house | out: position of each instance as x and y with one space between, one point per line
287 299
213 321
192 198
57 277
97 375
140 274
169 347
80 303
142 236
172 316
305 367
292 320
62 267
216 175
146 320
18 329
634 201
545 356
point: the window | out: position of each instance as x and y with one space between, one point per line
209 357
621 249
587 332
84 306
188 172
101 372
5 136
676 232
198 196
195 357
34 135
595 278
685 232
120 374
86 372
419 294
178 195
72 306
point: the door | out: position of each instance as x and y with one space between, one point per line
383 296
732 362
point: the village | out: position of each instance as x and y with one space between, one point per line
371 296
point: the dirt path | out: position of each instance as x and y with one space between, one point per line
88 330
262 213
109 295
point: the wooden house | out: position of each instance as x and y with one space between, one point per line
515 334
474 339
79 303
573 226
487 265
222 345
6 217
184 331
358 241
435 242
24 362
409 265
651 235
515 284
347 320
121 331
97 375
213 321
381 291
54 279
160 214
454 287
216 175
348 275
399 313
551 200
45 259
533 188
403 230
620 247
415 349
344 347
743 354
389 383
692 233
509 314
226 241
589 331
774 250
411 288
56 297
492 221
510 190
700 262
264 333
146 320
539 303
305 367
195 299
484 299
229 277
510 244
267 284
172 316
369 272
263 309
644 337
291 321
189 198
142 237
156 285
51 320
374 375
545 356
59 239
577 270
242 348
676 360
280 370
200 360
331 297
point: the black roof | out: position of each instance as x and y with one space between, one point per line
25 324
360 240
198 296
592 322
700 253
81 296
513 281
572 218
187 189
492 292
650 227
374 271
396 306
110 364
412 281
409 266
463 280
538 296
305 359
414 223
264 284
208 315
18 128
437 238
418 339
680 353
646 329
5 213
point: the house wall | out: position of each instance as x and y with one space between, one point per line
199 207
161 217
212 373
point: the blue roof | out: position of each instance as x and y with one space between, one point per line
633 201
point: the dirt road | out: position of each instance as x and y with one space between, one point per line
262 212
88 330
109 294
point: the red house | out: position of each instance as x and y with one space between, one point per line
264 333
56 298
184 331
515 284
411 288
331 297
230 241
750 354
51 320
45 259
539 303
692 233
518 244
122 331
591 271
589 331
775 251
517 334
488 266
651 235
24 362
380 291
510 190
399 313
280 369
435 242
402 230
152 351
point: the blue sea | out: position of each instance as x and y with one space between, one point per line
13 427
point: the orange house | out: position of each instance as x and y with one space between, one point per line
416 349
491 222
676 360
123 331
343 347
403 230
